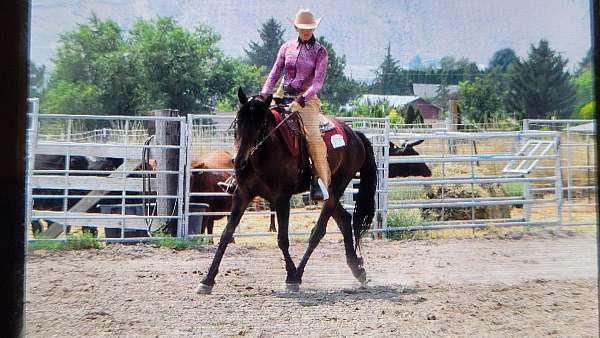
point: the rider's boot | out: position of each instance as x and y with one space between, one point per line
318 190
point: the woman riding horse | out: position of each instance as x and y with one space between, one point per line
305 64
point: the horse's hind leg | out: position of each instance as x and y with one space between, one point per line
240 202
316 234
344 221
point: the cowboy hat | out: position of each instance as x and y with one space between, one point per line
305 19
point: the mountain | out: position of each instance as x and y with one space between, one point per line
359 29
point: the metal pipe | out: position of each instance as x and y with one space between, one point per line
468 204
461 180
487 157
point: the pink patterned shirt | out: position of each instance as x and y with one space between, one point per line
305 67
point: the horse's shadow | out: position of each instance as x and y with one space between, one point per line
313 297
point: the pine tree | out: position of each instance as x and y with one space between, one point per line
264 52
388 76
539 87
503 58
412 115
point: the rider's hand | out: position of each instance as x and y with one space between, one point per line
301 100
294 106
262 97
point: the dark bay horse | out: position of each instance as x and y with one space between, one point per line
264 167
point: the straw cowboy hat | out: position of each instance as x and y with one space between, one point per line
305 19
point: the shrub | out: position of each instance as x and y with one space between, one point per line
397 220
74 242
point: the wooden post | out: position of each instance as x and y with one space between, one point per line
453 120
167 133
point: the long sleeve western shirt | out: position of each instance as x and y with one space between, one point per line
305 65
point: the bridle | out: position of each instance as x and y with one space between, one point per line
264 126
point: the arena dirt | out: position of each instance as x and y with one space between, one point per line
517 285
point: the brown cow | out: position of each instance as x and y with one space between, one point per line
207 182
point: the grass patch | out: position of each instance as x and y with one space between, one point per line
402 218
513 189
410 192
80 241
167 241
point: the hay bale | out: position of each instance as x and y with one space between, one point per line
464 191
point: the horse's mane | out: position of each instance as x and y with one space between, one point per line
251 116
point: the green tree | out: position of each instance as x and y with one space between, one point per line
174 66
37 79
586 62
264 52
159 65
479 100
82 66
539 86
584 88
412 115
338 89
66 97
502 59
231 73
587 111
388 77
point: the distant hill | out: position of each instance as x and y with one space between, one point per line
359 29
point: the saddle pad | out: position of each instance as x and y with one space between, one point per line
290 139
325 123
332 132
336 137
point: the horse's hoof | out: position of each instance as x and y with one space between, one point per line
204 289
362 278
292 287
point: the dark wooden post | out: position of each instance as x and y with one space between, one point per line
167 133
14 25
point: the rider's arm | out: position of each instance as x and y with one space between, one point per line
320 72
275 72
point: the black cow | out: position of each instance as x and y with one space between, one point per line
57 162
407 169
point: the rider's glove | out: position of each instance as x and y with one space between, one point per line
301 100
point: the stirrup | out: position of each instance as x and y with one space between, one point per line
318 191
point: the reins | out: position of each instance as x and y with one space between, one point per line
271 133
235 121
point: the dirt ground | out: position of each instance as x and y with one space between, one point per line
504 285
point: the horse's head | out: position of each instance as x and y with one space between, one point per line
251 120
407 169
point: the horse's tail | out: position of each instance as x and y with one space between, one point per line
364 209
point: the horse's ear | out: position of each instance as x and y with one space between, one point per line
415 143
242 96
268 100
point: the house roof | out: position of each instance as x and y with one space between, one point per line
431 89
393 100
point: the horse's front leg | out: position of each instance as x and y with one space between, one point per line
283 216
240 202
